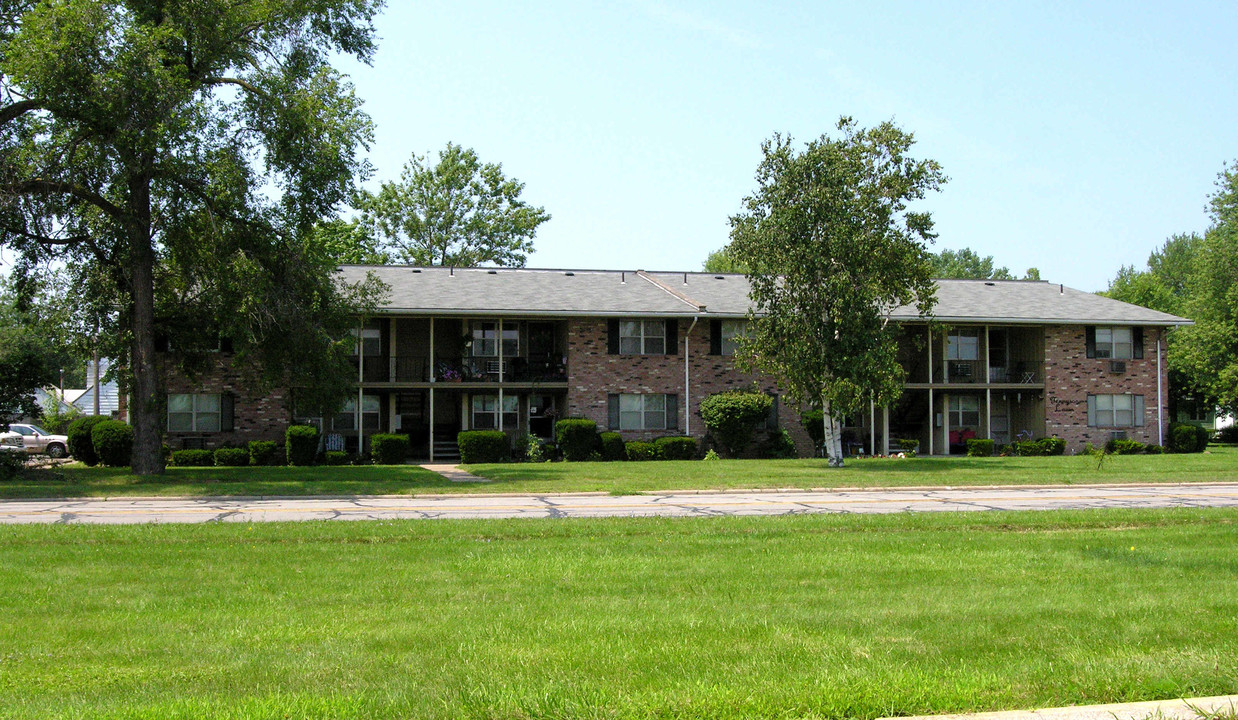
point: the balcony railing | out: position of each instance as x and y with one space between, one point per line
467 369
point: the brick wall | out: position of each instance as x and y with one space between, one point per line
256 415
593 374
1070 376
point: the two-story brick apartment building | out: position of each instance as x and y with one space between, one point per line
516 349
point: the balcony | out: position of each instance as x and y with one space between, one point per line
532 369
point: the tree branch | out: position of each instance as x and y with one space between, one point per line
248 86
56 187
17 109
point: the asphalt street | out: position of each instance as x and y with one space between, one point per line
670 504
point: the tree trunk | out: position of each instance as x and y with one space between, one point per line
144 414
833 435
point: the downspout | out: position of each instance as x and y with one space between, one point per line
1160 400
687 382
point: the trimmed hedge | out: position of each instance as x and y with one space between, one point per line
1125 447
301 444
613 447
336 457
1041 447
192 458
232 457
732 417
1186 438
979 447
388 448
81 447
577 438
113 443
262 452
641 450
484 446
778 445
676 448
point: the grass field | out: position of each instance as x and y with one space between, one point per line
1219 464
804 616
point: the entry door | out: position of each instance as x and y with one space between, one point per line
542 415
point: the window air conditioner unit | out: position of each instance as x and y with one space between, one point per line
1117 435
1117 366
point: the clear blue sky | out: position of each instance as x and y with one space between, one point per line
1077 136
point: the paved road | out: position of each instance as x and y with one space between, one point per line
187 510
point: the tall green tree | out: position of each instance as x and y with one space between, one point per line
967 264
832 248
457 212
23 367
349 242
179 153
723 260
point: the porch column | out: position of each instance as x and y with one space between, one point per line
929 345
932 423
945 422
430 375
360 389
872 426
391 360
500 340
988 413
885 430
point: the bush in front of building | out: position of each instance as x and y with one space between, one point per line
1125 447
1053 445
1186 438
577 438
777 445
11 463
262 452
113 443
1228 434
80 445
388 448
232 457
676 448
336 457
979 447
641 450
732 417
814 424
613 447
484 446
1040 448
301 444
192 458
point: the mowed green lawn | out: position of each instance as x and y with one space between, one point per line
803 616
1220 463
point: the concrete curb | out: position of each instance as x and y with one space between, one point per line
1182 709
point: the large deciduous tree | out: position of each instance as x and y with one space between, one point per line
177 154
967 264
831 249
457 212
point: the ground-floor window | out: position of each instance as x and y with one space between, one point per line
194 412
964 411
371 414
643 412
1115 410
486 412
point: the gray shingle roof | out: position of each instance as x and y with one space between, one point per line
530 292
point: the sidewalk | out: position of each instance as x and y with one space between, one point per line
1187 709
453 473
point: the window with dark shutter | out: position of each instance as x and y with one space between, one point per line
612 412
612 337
1137 343
672 337
1089 340
672 412
227 410
715 337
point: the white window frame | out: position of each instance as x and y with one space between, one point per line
370 341
371 415
486 409
642 337
1116 411
202 418
957 349
1115 343
732 329
642 412
961 405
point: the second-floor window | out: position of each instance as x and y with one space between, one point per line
370 342
486 339
963 345
732 333
642 337
1114 342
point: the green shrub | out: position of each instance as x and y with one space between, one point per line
113 443
778 446
1124 447
1028 448
676 448
11 463
301 444
232 457
56 422
81 447
732 417
1186 438
388 449
1228 434
1153 449
1053 445
577 438
484 446
814 424
641 450
262 452
613 447
537 450
336 457
979 447
711 455
192 458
